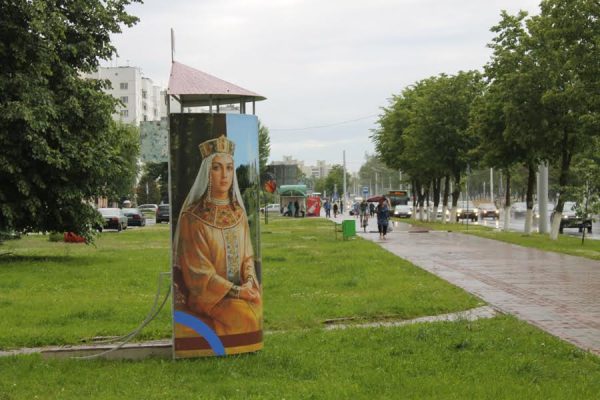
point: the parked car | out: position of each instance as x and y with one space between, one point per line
272 208
148 207
403 211
518 209
488 210
536 210
163 213
113 218
134 217
570 219
466 210
440 209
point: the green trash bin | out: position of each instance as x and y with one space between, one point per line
348 228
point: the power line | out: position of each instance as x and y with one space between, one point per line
324 126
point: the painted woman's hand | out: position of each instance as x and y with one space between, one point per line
248 293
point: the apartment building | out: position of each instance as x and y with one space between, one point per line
141 99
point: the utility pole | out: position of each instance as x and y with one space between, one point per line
400 185
492 185
345 194
542 196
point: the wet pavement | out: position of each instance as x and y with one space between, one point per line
557 293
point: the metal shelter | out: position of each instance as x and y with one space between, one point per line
193 88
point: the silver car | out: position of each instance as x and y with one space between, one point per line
114 218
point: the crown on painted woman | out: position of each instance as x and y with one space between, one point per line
218 145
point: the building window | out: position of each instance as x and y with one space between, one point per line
145 117
124 85
124 99
124 113
155 112
145 107
143 94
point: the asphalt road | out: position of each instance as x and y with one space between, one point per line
517 224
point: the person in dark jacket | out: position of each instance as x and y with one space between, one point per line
383 217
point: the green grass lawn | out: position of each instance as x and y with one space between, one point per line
489 359
565 244
57 293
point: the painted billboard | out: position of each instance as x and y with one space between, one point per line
217 280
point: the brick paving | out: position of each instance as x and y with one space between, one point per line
557 293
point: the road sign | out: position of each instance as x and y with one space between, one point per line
365 190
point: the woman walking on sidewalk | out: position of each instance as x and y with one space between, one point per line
383 217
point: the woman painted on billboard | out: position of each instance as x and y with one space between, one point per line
213 246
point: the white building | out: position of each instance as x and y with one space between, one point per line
321 170
141 99
289 160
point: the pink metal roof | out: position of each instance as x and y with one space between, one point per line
186 80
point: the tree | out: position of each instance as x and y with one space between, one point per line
565 44
264 148
60 144
128 151
424 132
148 191
375 171
159 174
335 180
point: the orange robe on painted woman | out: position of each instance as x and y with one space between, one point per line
214 253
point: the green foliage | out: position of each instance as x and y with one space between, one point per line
127 149
157 176
335 180
56 237
148 191
375 170
424 130
60 145
565 39
264 147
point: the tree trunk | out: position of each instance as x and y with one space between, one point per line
530 187
455 195
445 199
565 163
414 199
420 200
426 202
437 183
506 225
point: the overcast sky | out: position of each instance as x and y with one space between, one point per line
320 63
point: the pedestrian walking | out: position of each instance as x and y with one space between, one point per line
383 217
335 210
327 207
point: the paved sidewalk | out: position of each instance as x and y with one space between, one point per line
557 293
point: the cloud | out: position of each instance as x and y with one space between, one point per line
317 62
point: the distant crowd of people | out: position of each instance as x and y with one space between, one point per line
363 209
294 209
